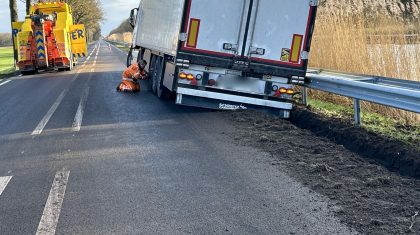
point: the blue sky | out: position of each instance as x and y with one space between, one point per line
115 12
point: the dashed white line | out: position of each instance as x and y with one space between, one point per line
78 118
38 130
5 82
3 182
96 56
49 220
87 59
99 47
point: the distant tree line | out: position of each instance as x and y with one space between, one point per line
89 13
122 28
5 40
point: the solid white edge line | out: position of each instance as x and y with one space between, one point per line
5 82
49 219
44 121
3 183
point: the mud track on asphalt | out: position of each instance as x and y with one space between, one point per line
373 182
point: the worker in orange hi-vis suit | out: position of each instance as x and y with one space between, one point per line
131 76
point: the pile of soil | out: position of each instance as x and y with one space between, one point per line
368 197
393 154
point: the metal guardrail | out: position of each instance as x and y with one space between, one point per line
396 93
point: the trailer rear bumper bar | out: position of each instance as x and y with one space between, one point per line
215 100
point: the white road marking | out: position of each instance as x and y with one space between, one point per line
5 82
78 118
87 59
3 182
97 52
96 56
49 219
38 130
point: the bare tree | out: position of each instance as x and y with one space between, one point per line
13 10
13 18
89 13
28 6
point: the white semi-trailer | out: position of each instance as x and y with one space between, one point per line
225 54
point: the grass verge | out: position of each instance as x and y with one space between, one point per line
120 46
377 123
6 61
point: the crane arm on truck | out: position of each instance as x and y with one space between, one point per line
47 39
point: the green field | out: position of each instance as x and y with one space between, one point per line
6 60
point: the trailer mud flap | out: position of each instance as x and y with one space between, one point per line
78 40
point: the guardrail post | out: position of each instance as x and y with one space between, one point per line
305 96
357 109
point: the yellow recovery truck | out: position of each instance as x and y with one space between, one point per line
48 39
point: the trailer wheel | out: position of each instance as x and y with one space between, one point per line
130 57
156 73
161 91
151 72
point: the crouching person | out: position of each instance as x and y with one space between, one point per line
131 76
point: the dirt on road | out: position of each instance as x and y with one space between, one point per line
363 174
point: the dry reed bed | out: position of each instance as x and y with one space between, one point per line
353 45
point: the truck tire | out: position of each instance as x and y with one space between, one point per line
151 72
161 91
157 71
130 57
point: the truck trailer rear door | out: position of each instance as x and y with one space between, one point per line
215 27
280 31
271 36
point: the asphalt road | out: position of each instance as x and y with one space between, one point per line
76 157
